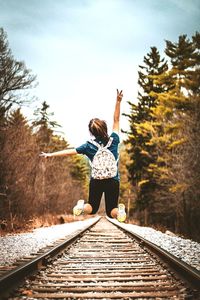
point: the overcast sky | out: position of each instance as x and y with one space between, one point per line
82 50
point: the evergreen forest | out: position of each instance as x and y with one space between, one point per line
163 142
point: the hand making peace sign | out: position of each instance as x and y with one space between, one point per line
119 95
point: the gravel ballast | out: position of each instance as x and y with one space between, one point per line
185 249
14 247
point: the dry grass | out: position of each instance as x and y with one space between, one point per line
37 222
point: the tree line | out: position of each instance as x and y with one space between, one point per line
164 137
30 185
159 165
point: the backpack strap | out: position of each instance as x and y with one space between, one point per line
109 143
95 143
101 146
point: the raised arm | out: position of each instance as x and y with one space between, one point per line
66 152
117 111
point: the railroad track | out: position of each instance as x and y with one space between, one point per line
105 262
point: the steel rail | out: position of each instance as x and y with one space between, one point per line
106 262
186 271
13 277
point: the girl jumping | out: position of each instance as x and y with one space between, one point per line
102 152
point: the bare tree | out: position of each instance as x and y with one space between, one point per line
14 76
19 159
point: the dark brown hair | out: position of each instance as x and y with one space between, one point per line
98 128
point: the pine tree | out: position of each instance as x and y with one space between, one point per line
44 126
58 181
141 152
172 114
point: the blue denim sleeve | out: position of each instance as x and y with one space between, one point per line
115 137
82 149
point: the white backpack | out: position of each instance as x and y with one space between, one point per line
104 164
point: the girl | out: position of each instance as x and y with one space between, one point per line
108 186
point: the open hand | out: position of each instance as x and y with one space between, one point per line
45 155
119 95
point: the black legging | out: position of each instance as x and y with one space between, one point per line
110 187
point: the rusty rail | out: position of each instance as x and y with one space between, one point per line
106 263
14 275
187 272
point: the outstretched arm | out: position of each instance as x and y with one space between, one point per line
66 152
117 111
